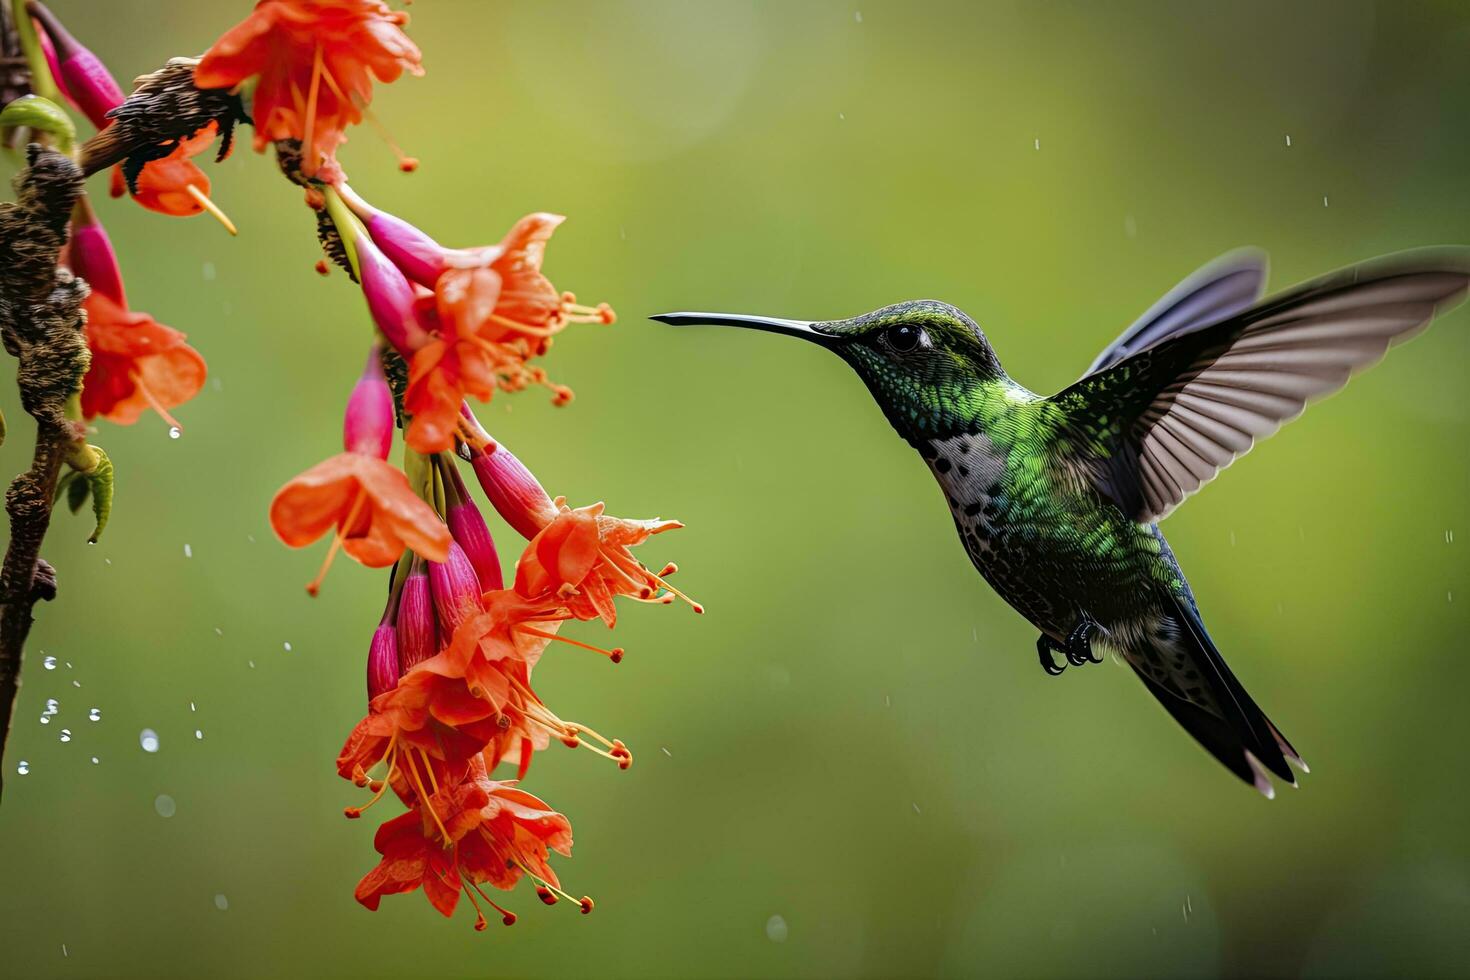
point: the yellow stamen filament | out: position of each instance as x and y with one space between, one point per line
615 654
424 801
664 583
584 902
214 209
480 922
315 585
406 163
506 915
391 756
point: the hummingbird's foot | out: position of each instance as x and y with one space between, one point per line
1079 643
1044 648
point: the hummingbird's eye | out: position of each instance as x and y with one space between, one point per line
903 337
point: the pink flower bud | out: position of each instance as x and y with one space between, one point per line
471 534
416 255
456 590
514 491
390 298
90 256
417 640
382 665
80 73
367 426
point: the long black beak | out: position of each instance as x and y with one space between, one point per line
791 328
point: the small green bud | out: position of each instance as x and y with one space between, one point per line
42 116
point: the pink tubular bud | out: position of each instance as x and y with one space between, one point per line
80 73
471 534
417 640
389 298
382 665
456 590
514 491
416 255
91 257
367 427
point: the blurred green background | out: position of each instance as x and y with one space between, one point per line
851 766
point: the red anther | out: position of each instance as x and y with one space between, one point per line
571 741
376 785
321 267
509 918
587 904
698 608
352 812
616 655
480 923
546 895
408 164
669 569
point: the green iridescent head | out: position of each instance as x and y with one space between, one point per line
922 360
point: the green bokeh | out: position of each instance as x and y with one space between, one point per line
856 736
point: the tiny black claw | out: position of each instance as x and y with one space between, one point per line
1079 643
1044 647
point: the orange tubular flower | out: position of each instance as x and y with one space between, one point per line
137 362
314 62
582 558
370 503
479 831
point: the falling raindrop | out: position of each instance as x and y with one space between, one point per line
76 683
66 734
218 631
1187 908
208 271
666 751
221 903
251 663
95 760
1037 144
191 706
1288 139
22 767
287 645
916 808
198 734
1324 200
188 552
1449 537
95 714
49 663
148 738
174 432
776 929
857 15
165 805
45 719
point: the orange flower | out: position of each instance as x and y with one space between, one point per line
137 362
314 61
582 558
375 512
479 831
173 184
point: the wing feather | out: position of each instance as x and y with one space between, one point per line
1176 412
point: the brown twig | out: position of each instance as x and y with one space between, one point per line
42 325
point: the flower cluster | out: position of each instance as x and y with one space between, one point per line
450 663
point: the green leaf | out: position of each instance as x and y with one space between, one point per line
76 493
100 480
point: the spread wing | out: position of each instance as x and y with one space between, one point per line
1221 289
1157 425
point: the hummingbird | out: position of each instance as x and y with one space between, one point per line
1057 499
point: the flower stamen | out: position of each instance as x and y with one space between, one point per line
615 654
315 585
215 211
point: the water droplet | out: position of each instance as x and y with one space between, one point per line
1449 537
165 805
49 663
95 714
916 808
95 760
198 734
1324 200
174 432
188 552
209 272
1187 908
251 663
857 16
191 706
148 738
22 767
76 683
666 751
842 115
1037 144
287 645
221 903
45 719
776 929
218 631
1288 139
66 734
